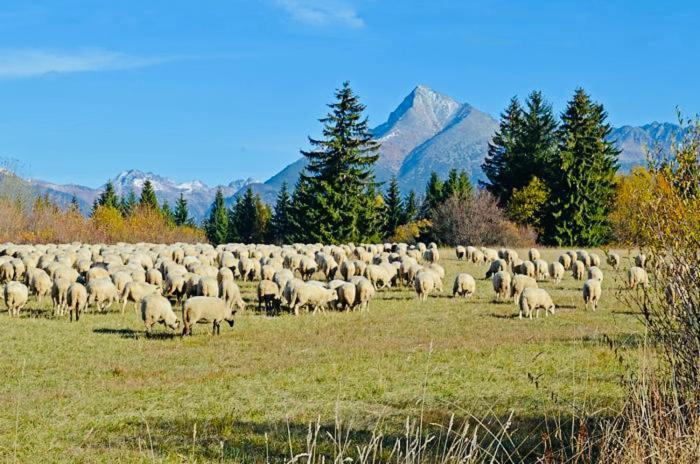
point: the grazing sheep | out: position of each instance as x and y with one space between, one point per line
508 255
77 300
205 309
594 272
578 270
307 267
595 259
364 292
347 269
136 291
59 294
501 285
175 285
424 283
520 283
556 271
583 256
565 260
103 293
378 275
431 255
40 284
526 268
640 260
154 277
614 260
636 275
592 292
16 295
461 253
347 296
231 294
268 296
478 257
156 308
208 286
496 266
533 254
534 299
311 295
7 272
464 286
96 273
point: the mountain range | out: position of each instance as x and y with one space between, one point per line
428 131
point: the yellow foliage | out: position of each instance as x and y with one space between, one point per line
409 233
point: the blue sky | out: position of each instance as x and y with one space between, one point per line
223 89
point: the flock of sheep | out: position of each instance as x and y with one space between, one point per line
202 278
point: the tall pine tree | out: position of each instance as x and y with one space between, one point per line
393 205
216 225
167 213
458 184
335 199
585 185
181 215
128 203
433 195
410 210
280 225
109 197
148 196
503 149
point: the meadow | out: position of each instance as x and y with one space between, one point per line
100 391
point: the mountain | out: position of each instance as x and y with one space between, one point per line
634 141
430 131
199 196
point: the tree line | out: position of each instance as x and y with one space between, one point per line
554 177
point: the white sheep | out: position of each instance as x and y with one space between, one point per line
268 295
136 291
556 271
156 308
501 284
461 252
534 299
578 270
347 295
533 254
464 286
311 295
614 260
592 292
205 309
77 300
231 294
636 275
102 293
16 295
497 265
594 272
425 283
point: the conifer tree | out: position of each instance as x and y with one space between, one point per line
503 148
148 196
216 225
181 216
167 213
109 197
585 184
74 206
337 188
127 204
394 212
433 195
410 212
280 225
244 222
457 183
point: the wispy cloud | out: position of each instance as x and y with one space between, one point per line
27 62
322 12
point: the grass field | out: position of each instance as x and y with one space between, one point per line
99 391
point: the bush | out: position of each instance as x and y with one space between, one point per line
477 220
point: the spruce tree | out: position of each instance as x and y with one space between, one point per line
216 225
244 220
74 206
394 213
181 216
503 148
109 197
410 210
148 196
127 204
457 184
337 188
433 195
585 184
280 225
167 213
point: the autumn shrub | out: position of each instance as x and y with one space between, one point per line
477 220
411 233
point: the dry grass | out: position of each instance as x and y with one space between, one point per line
99 391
